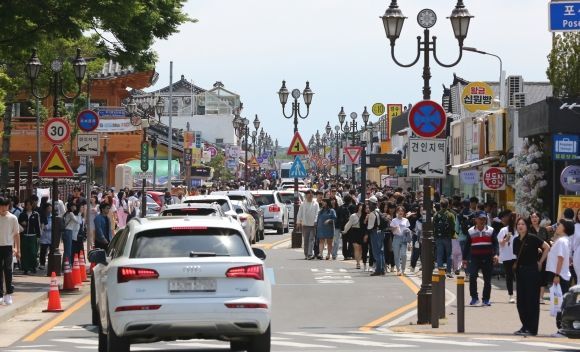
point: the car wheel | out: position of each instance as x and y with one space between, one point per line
102 340
260 343
238 346
116 343
262 231
94 310
287 228
280 229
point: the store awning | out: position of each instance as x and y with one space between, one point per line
456 168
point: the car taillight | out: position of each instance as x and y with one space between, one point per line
250 272
273 208
130 308
247 305
125 274
243 218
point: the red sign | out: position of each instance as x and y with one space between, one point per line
353 153
297 146
55 165
57 130
494 178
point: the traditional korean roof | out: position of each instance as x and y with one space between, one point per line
182 85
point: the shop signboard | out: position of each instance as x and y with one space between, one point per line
477 96
570 178
494 178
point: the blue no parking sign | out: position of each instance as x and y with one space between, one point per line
87 120
427 119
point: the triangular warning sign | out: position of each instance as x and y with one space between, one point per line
254 162
297 146
55 165
353 153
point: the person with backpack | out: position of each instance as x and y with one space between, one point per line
444 232
400 227
376 236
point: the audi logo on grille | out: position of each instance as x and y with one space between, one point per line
192 269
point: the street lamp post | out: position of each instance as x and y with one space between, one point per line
393 20
154 145
307 95
144 115
56 89
338 136
352 129
500 89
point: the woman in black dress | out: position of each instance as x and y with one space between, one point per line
528 276
353 230
544 235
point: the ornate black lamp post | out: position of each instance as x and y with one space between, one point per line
338 136
143 115
393 20
307 95
56 89
154 145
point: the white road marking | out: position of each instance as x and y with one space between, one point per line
314 270
335 281
195 344
322 336
27 350
78 341
546 344
495 339
366 343
299 345
332 277
447 342
35 346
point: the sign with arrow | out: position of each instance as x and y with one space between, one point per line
55 165
353 153
297 146
297 170
427 119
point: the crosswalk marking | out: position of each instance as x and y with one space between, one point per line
367 343
543 344
322 336
448 342
330 276
298 344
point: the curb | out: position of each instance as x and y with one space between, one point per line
31 300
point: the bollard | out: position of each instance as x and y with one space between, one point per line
434 300
441 301
460 303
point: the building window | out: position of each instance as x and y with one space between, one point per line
219 141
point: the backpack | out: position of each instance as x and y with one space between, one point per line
383 222
442 225
465 223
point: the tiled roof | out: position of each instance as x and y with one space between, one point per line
113 69
182 84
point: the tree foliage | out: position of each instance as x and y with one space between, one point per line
220 171
564 65
127 29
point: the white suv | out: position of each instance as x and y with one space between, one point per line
275 211
169 278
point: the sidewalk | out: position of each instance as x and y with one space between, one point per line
501 319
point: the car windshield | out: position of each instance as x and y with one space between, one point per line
286 197
188 242
189 211
222 202
264 199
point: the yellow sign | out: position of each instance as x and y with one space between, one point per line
196 154
55 165
477 96
378 109
572 202
297 146
188 139
254 163
393 110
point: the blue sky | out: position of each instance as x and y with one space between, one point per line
341 48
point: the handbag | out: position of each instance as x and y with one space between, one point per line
515 264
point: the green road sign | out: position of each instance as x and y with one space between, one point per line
144 156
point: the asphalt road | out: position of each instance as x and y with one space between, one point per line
317 306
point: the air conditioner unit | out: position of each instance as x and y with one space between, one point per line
515 85
519 100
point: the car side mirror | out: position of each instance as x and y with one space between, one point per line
258 252
239 211
98 256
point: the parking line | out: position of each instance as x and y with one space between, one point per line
270 245
57 320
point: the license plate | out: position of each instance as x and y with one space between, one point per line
193 285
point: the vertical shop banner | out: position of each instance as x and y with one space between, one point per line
187 139
393 110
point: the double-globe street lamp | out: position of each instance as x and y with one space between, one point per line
393 20
56 89
307 95
352 129
242 130
143 115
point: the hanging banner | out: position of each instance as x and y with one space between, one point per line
469 177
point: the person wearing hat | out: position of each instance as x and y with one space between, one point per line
482 248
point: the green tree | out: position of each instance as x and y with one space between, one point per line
564 65
219 167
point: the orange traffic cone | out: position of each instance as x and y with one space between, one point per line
76 272
53 296
68 284
82 267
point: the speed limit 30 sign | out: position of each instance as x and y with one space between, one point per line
57 130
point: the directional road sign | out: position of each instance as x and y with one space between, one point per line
144 156
353 153
88 144
57 130
298 169
55 165
564 16
427 119
389 160
87 120
297 146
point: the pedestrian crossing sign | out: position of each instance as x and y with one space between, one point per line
254 163
297 146
298 170
55 165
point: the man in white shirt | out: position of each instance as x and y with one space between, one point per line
9 247
306 219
